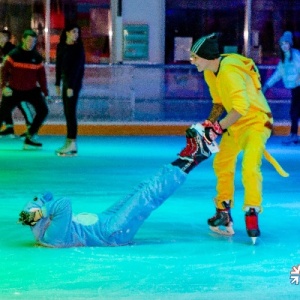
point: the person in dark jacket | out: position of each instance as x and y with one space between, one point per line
23 78
5 47
70 60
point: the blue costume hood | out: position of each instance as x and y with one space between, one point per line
39 201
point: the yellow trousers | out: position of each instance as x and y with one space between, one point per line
250 140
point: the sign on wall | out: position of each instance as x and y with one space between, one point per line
135 42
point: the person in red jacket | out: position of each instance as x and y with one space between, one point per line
23 78
5 47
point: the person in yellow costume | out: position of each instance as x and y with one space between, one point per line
241 114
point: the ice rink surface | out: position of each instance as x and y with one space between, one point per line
174 256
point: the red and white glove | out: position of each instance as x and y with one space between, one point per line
213 131
207 123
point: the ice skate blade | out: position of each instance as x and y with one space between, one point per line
67 154
30 147
253 239
8 136
228 231
186 158
290 143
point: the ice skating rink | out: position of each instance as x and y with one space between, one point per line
175 256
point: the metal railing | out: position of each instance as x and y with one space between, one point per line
149 93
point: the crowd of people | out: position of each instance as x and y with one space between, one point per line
32 93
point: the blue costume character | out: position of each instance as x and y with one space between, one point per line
53 224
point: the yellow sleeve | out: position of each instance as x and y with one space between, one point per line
210 79
232 84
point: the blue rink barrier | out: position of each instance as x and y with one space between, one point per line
149 94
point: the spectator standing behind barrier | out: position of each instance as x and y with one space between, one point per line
288 70
6 46
70 60
24 79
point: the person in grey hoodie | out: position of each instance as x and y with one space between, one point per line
288 70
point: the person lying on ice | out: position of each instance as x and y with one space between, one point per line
53 224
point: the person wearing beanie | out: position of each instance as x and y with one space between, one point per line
54 225
242 116
207 47
288 70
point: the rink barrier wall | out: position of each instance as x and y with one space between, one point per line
146 100
128 129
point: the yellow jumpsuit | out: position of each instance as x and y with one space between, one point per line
237 86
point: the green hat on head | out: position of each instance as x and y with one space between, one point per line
207 47
29 32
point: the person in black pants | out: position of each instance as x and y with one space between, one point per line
70 60
5 47
23 78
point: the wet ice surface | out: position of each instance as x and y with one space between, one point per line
174 256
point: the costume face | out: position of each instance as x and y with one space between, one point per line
28 43
285 46
199 62
72 35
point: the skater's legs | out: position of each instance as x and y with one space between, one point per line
38 102
26 112
70 112
224 167
253 146
123 220
295 110
6 107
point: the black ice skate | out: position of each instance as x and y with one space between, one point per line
222 218
30 143
8 133
251 219
292 139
